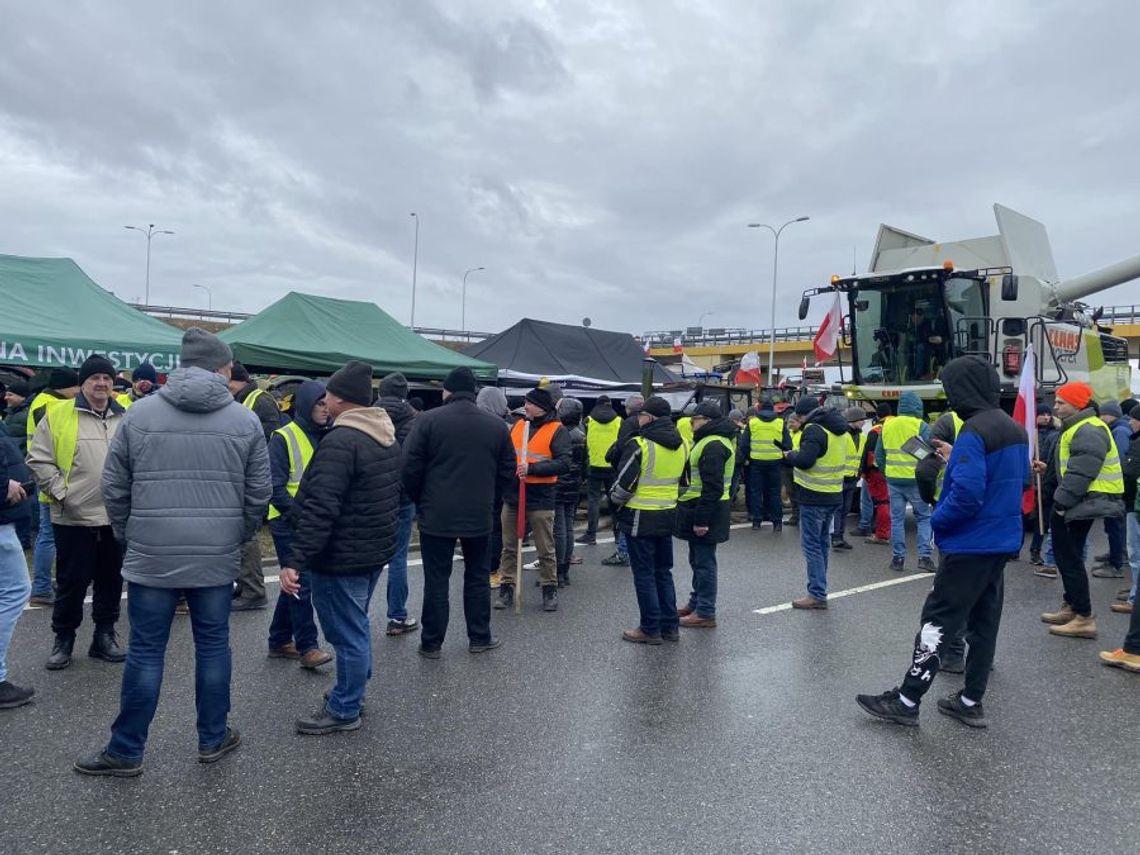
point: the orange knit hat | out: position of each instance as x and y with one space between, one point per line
1077 394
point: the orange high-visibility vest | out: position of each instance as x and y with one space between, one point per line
537 450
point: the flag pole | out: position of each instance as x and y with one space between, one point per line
520 524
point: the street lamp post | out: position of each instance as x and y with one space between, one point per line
775 268
150 231
209 295
463 311
415 262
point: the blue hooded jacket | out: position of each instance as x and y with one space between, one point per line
979 511
308 393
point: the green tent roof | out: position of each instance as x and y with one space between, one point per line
309 334
53 314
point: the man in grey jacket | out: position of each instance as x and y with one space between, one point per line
186 484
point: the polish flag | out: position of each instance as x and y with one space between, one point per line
826 341
645 347
677 346
1025 408
748 374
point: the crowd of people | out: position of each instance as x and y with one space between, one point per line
166 488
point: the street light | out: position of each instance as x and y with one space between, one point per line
463 315
209 295
150 231
775 263
415 261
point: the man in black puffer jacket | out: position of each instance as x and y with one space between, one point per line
345 532
567 492
703 515
394 401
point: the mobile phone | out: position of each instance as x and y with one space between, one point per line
918 448
28 487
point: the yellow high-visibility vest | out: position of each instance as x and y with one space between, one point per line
685 428
300 449
854 454
659 482
251 398
63 419
763 439
900 465
826 476
124 400
600 438
1110 479
39 405
696 486
942 472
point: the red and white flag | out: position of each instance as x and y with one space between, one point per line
826 341
749 371
1025 408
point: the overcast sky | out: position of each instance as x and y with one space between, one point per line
599 159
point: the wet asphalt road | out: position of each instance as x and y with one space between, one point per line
745 738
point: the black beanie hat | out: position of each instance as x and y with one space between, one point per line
145 372
19 387
657 406
460 379
708 409
394 385
62 378
239 372
353 383
806 405
883 410
94 364
541 398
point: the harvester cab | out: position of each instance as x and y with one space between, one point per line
923 303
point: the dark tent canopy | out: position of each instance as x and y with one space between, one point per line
578 357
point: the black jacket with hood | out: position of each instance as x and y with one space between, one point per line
569 487
307 396
642 523
265 408
394 401
821 427
604 414
708 510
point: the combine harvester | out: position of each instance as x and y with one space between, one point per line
924 303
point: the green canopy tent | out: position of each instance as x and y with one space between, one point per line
307 334
53 314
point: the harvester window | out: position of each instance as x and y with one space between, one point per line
900 332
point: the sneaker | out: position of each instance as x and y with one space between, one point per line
1061 616
809 602
1107 571
532 566
550 598
898 564
616 560
506 597
41 600
288 650
926 564
104 765
1103 558
315 658
484 646
323 722
12 696
953 663
1047 571
231 741
889 707
248 604
1035 558
586 539
575 560
1081 626
1124 608
1119 659
636 636
875 540
841 544
402 627
952 706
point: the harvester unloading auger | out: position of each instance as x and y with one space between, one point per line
923 303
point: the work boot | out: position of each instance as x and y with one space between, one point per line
315 658
1119 659
1035 558
1061 616
214 753
926 564
549 598
636 636
484 646
586 539
1107 571
889 707
809 602
1047 571
695 621
1122 608
103 764
673 634
1081 626
971 716
105 646
685 611
506 597
324 722
495 581
898 564
42 600
564 576
61 652
12 696
288 650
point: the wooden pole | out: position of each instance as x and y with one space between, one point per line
520 527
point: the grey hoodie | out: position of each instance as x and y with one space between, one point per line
186 483
493 400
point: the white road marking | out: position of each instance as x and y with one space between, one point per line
874 586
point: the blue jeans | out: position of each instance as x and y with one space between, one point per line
1133 524
14 589
764 481
342 606
622 544
901 493
1114 527
815 541
151 611
866 508
702 558
292 618
43 557
651 560
398 566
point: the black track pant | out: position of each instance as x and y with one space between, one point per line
86 556
968 591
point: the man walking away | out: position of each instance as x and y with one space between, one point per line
493 400
704 511
856 416
898 466
547 457
567 491
602 427
67 453
394 401
1087 484
768 438
345 527
650 478
250 592
293 630
186 483
1111 564
15 507
628 430
875 498
818 464
458 461
977 524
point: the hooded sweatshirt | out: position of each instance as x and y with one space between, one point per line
709 510
645 523
394 401
979 511
909 405
493 400
823 426
569 487
304 400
